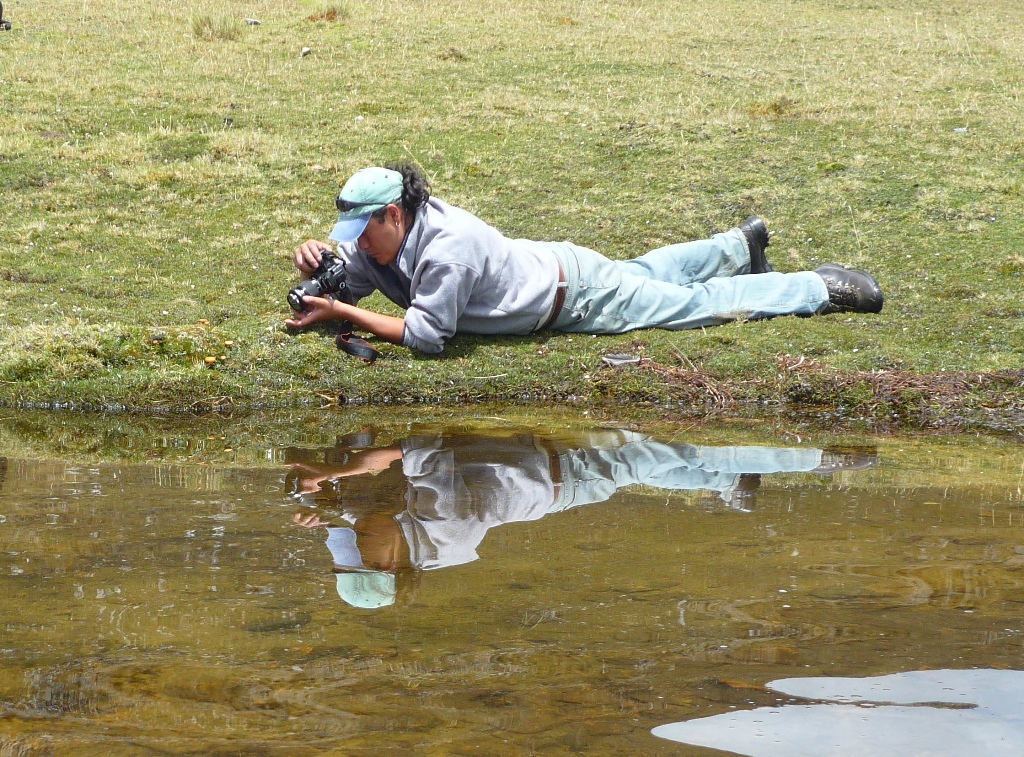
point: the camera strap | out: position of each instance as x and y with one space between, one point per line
354 345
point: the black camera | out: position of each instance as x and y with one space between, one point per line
330 278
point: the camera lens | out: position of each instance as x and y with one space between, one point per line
309 287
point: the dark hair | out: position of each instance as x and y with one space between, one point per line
415 188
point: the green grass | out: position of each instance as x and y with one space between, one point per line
159 162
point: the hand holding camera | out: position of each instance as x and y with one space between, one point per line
329 279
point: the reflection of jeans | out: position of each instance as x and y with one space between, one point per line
593 474
682 286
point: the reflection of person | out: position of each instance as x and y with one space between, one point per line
457 487
454 273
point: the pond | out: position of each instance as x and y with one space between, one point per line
338 583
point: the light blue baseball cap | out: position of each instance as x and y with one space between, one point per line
368 191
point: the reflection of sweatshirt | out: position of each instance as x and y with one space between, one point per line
456 492
456 273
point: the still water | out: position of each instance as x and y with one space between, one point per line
347 585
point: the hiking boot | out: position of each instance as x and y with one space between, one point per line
755 231
849 290
744 494
835 459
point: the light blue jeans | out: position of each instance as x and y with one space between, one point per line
682 286
616 459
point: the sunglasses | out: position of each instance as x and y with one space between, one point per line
344 206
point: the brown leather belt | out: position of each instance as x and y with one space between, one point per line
555 464
556 309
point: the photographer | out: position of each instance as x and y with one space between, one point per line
454 273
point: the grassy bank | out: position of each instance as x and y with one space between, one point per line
158 163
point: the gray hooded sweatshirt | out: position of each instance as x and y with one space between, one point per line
456 273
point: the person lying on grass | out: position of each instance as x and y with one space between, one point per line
453 273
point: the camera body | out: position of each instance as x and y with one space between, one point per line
330 278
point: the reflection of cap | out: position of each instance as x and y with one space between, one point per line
367 589
358 585
365 193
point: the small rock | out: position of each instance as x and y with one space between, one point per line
960 130
305 51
